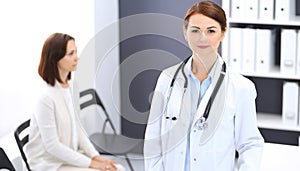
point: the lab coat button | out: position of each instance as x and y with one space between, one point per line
195 130
195 159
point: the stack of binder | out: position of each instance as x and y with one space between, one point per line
248 50
235 48
263 10
251 9
266 10
288 51
237 9
265 50
290 104
284 10
251 50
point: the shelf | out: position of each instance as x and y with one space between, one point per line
274 73
268 83
295 22
274 121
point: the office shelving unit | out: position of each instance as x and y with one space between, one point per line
269 85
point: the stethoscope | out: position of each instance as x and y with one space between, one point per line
201 123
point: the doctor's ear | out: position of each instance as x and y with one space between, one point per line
224 33
184 34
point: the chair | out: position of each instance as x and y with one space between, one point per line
108 143
22 141
5 163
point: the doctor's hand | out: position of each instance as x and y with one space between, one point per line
103 164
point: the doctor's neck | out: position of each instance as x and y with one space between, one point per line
202 65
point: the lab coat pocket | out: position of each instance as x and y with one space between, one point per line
224 133
170 120
172 112
170 130
226 130
226 126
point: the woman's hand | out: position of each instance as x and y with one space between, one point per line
103 164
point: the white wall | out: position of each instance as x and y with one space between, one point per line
24 26
101 58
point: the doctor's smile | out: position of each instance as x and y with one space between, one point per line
203 47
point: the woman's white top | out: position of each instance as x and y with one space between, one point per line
56 136
66 92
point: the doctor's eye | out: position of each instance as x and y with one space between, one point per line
211 31
195 31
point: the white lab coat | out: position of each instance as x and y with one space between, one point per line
231 126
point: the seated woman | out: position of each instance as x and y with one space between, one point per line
57 140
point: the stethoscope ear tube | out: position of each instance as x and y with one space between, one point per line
215 91
181 66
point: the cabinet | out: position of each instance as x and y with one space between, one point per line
269 82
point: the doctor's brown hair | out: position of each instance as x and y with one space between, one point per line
54 49
209 9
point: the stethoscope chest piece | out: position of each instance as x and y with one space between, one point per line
201 124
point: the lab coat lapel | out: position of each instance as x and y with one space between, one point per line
216 114
174 141
216 111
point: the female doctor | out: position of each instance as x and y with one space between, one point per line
202 112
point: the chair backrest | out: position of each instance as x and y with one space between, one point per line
22 141
96 100
5 163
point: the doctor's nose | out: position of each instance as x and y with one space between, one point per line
202 36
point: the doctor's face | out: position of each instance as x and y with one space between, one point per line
203 34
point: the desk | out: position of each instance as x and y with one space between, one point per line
115 144
278 157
